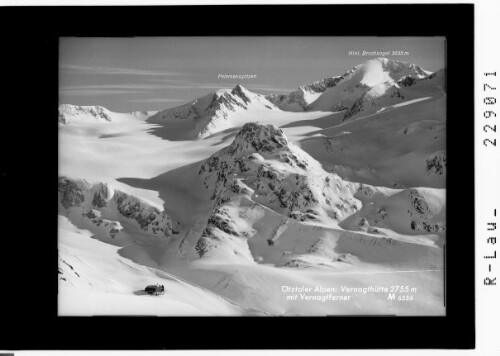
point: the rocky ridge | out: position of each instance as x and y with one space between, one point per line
95 202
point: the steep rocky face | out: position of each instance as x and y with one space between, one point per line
421 215
98 201
150 219
68 112
436 78
227 100
217 113
241 93
407 81
254 137
321 85
436 163
263 166
71 194
294 101
220 222
101 196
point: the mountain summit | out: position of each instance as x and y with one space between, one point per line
263 168
267 192
354 92
341 92
213 112
376 84
68 113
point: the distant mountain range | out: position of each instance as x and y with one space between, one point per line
365 89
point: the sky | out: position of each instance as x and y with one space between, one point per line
154 73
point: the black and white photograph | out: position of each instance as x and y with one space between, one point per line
252 176
262 178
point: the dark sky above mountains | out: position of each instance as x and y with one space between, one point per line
153 73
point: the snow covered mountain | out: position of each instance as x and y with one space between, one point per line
213 112
265 189
390 94
97 278
401 145
300 99
113 216
363 90
263 166
376 76
68 113
95 114
232 196
372 84
375 83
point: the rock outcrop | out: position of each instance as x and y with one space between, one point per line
95 202
262 165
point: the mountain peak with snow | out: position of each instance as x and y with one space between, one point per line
397 67
85 115
300 99
68 113
255 137
239 88
379 70
354 82
370 86
263 179
213 112
268 198
264 166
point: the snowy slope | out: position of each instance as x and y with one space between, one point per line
393 94
94 279
260 205
68 113
280 190
403 145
